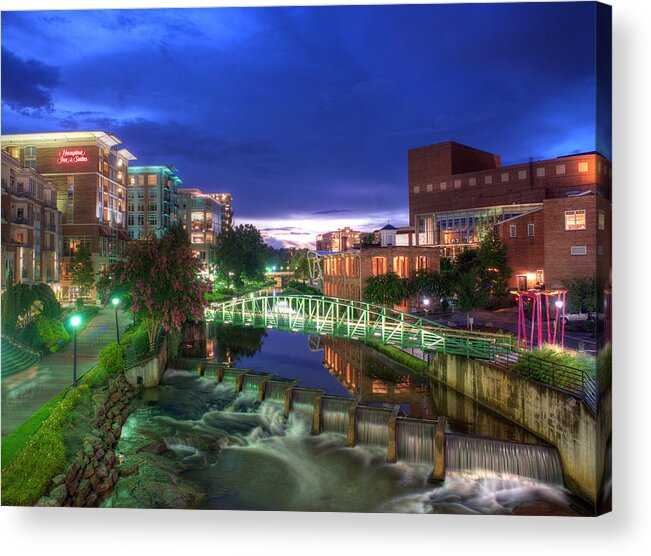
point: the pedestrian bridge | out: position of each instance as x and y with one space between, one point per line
352 319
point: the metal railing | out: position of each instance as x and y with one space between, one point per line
22 220
133 357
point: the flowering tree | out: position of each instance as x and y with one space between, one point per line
159 282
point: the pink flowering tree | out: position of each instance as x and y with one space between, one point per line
159 282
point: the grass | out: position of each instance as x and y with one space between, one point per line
402 357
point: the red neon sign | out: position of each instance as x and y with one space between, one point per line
72 156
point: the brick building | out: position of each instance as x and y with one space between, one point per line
152 204
90 170
31 225
554 215
338 240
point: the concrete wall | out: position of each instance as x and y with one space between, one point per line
151 370
548 413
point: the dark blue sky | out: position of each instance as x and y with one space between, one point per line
305 114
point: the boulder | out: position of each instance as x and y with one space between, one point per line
99 454
85 488
110 457
104 486
128 469
113 476
91 499
47 502
59 479
89 471
59 493
73 470
72 487
101 472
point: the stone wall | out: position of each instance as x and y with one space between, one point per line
150 371
550 414
94 470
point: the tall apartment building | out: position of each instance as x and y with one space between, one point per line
152 200
200 214
553 215
225 201
90 171
31 225
338 240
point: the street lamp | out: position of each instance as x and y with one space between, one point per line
116 301
75 321
426 302
558 303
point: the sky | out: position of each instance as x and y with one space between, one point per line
305 115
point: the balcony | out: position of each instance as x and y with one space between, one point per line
22 221
50 228
24 194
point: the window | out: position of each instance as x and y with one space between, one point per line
379 265
540 172
505 176
70 207
152 220
130 220
531 230
444 185
600 250
583 166
513 230
141 219
574 220
151 179
421 263
141 180
417 189
540 277
522 175
472 181
430 186
488 179
560 169
578 250
152 206
457 184
401 266
602 220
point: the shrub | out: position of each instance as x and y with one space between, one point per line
140 343
111 358
51 332
30 336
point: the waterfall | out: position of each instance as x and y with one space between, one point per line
372 426
274 392
303 403
484 456
334 414
251 383
415 440
230 376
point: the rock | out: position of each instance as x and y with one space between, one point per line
114 397
94 481
59 479
72 487
89 451
47 502
59 493
85 488
113 476
110 457
79 502
104 486
101 472
89 471
91 499
73 470
99 454
110 439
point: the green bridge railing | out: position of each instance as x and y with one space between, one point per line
352 319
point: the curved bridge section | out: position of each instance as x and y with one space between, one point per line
351 319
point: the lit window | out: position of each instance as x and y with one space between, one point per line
379 265
602 220
513 230
522 174
457 184
417 189
575 220
560 169
578 250
488 179
540 277
540 172
401 266
430 186
472 181
531 230
444 185
421 263
583 166
151 179
505 176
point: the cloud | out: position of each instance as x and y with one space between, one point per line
332 211
30 88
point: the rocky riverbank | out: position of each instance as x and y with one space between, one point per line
95 469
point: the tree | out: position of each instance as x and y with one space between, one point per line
81 270
469 292
241 254
159 282
386 289
10 306
494 270
369 239
300 265
430 284
582 295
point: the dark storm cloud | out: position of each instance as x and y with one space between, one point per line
27 84
297 110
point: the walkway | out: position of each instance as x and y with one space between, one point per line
25 392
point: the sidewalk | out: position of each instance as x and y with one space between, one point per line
26 391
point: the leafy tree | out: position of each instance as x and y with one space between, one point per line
430 284
369 239
582 295
386 289
466 261
469 292
159 282
494 270
81 270
300 265
241 253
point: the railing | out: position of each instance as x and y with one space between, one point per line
22 220
135 357
21 345
578 383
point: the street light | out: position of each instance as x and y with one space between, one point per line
75 321
558 303
116 301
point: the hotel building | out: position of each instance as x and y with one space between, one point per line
152 203
31 225
90 171
201 215
339 240
553 215
225 209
